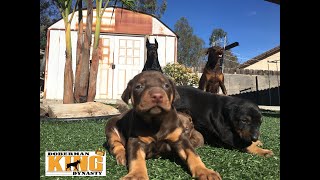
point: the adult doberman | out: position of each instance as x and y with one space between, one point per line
151 123
152 62
212 77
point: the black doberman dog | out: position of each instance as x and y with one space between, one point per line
152 62
224 121
74 164
152 123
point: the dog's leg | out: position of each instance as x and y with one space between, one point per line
202 82
254 149
136 161
117 148
115 142
183 147
221 83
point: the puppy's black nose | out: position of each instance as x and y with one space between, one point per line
157 97
255 137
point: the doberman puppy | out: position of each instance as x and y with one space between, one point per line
224 121
195 137
74 164
212 76
151 123
152 62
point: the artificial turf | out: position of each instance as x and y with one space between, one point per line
88 135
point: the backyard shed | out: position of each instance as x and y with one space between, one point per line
123 50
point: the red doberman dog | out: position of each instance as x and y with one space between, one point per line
152 122
212 77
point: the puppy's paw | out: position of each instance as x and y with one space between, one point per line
121 159
206 174
258 143
266 153
135 176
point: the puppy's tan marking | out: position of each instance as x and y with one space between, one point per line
175 135
117 148
137 167
146 139
254 149
197 167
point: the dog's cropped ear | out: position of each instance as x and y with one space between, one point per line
176 95
155 40
126 95
147 43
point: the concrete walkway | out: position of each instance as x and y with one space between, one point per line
270 108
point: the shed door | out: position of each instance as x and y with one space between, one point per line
128 62
105 73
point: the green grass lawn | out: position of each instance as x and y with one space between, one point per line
88 135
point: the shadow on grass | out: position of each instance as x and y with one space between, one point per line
273 114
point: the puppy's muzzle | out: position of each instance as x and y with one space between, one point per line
154 100
157 98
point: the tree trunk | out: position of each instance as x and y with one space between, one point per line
93 75
79 60
95 58
84 75
68 73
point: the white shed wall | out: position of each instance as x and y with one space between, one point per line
56 63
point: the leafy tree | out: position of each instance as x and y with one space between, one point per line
230 60
189 45
48 15
217 38
196 51
152 7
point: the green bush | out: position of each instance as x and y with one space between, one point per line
181 74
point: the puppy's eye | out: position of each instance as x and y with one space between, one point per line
245 121
139 86
166 86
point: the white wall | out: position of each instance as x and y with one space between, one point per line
263 64
56 62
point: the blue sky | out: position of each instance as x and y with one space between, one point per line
255 24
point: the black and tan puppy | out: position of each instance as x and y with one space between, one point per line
152 122
224 121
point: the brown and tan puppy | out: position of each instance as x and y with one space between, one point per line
152 122
195 137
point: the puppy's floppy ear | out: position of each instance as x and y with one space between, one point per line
176 95
126 95
156 43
